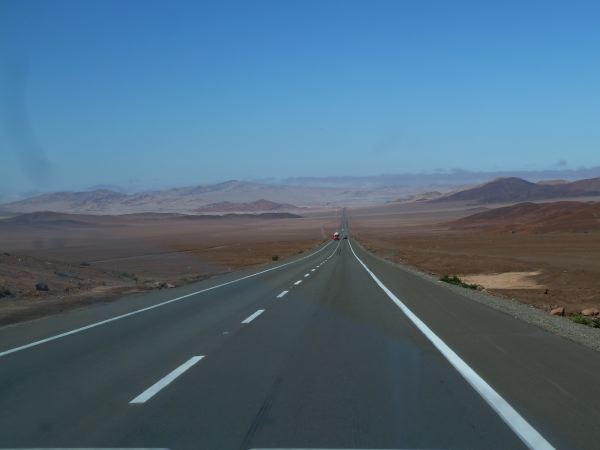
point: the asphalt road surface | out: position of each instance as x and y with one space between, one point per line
333 349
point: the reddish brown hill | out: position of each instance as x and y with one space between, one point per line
587 185
503 190
536 217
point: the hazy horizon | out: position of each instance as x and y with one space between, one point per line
418 181
150 95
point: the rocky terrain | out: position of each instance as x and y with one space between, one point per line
32 287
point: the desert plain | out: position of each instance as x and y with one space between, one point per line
84 259
546 267
544 254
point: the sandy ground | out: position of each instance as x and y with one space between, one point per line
506 280
101 258
545 269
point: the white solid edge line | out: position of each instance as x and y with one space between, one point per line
148 308
251 317
165 381
529 435
297 282
282 293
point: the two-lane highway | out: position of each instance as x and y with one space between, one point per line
334 349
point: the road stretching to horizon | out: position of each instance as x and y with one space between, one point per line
335 349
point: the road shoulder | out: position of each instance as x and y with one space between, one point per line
590 337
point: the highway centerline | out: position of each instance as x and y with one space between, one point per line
528 435
251 317
297 282
165 381
158 305
282 294
306 275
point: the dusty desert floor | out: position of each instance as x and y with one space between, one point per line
545 270
85 259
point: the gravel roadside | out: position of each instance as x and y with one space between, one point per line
590 337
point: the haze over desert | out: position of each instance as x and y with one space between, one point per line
299 224
533 252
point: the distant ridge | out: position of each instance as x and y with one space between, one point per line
552 182
49 219
244 196
89 200
256 206
518 190
229 196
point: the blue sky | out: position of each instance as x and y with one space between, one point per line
143 93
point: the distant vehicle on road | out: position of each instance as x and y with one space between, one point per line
345 236
336 236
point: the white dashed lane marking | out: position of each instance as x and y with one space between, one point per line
251 317
164 382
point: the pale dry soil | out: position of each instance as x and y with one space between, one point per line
84 264
506 280
544 270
